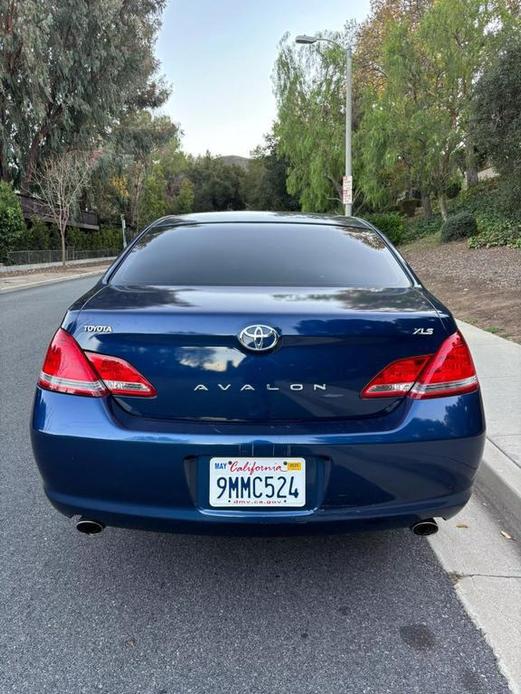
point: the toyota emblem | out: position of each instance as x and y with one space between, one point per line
258 338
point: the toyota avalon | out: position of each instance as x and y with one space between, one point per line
258 373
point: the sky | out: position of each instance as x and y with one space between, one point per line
218 56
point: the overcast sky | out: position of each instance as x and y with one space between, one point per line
219 56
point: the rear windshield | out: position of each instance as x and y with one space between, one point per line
261 254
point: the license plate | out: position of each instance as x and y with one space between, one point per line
240 482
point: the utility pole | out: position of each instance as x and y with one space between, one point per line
123 229
347 189
347 181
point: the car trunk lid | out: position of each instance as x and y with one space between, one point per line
184 340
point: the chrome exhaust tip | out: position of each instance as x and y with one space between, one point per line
89 527
425 527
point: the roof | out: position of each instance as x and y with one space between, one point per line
259 217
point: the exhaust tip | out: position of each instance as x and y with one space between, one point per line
425 527
89 527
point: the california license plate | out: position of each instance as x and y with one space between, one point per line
257 482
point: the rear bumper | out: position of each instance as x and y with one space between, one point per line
99 462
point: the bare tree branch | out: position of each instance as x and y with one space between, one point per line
60 182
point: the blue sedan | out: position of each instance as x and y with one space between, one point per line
258 373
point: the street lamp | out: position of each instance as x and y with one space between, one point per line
347 187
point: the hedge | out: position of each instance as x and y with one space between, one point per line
42 236
389 223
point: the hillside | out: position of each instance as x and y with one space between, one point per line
235 160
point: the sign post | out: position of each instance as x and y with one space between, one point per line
347 191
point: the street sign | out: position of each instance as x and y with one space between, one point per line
347 190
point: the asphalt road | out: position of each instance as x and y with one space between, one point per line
132 612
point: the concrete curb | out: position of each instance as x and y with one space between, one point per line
499 480
41 283
7 269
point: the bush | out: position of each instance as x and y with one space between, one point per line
12 225
42 236
34 238
39 234
54 238
460 226
389 223
419 227
106 238
496 230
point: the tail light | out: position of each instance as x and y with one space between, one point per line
120 377
397 378
448 372
67 369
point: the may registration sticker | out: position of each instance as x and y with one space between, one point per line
242 482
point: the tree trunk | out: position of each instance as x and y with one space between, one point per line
34 151
426 206
62 234
471 167
442 201
64 218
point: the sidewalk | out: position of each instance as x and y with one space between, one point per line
498 363
480 547
26 280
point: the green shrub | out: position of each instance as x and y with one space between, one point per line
39 234
492 195
111 238
12 225
105 239
54 237
389 223
419 227
459 226
496 230
35 237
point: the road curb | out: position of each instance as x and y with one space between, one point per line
41 283
499 480
35 267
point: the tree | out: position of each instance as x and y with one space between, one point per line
460 36
12 224
372 33
217 185
309 87
184 200
496 121
408 137
69 70
131 153
416 124
152 204
415 66
61 180
265 179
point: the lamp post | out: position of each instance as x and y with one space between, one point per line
347 187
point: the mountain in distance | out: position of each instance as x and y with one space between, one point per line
235 160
